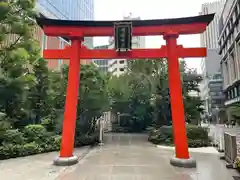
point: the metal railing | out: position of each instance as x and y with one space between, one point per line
230 148
105 122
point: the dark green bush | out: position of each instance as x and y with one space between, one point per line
35 133
57 141
120 129
197 136
197 132
198 143
35 139
49 124
85 140
162 135
48 143
10 150
16 150
13 136
30 149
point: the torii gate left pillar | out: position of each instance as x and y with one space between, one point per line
76 30
69 124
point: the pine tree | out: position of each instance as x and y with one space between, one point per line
18 50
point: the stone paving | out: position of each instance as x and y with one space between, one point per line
37 167
122 157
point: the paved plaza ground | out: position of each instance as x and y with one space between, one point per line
122 157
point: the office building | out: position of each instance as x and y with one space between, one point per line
229 42
119 66
209 38
102 64
65 9
211 85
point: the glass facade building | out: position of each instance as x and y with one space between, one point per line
68 9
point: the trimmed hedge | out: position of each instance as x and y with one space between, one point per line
197 136
87 140
35 139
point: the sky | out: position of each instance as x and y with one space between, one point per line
152 9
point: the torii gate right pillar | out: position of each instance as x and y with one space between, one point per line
181 158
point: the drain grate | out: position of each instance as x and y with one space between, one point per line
236 177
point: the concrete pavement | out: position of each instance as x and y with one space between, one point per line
122 157
37 167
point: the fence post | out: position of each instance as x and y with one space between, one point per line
230 149
101 129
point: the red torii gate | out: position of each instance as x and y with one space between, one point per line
169 28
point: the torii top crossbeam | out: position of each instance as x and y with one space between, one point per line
187 25
79 29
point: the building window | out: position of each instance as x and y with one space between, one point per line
233 65
228 95
235 92
213 93
121 62
231 23
121 69
114 70
236 11
238 89
226 73
115 62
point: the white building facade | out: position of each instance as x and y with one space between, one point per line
211 85
209 38
229 42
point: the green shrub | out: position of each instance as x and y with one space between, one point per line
49 124
35 133
30 149
197 136
35 139
10 151
48 144
120 129
13 136
197 132
198 143
16 150
86 140
57 141
162 135
4 126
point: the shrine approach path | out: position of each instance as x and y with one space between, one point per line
122 157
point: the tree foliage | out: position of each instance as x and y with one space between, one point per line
93 98
18 51
30 93
143 93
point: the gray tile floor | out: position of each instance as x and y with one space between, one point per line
131 157
123 157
